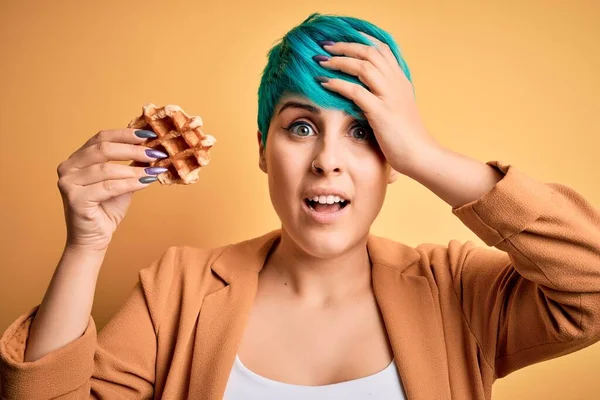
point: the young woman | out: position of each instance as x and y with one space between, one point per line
321 308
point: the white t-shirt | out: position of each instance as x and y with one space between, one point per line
245 384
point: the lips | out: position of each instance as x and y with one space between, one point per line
325 208
327 217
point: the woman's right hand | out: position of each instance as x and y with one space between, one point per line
96 193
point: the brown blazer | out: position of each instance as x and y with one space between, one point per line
458 317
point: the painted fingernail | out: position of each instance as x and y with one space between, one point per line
148 179
145 134
321 58
155 153
155 170
325 43
322 79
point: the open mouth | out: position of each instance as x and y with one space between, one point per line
326 208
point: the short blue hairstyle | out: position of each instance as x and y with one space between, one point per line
291 69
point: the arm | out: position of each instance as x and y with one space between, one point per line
453 177
540 297
65 310
118 363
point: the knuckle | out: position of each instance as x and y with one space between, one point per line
371 51
364 69
99 136
103 135
94 139
108 186
60 170
62 185
105 168
103 147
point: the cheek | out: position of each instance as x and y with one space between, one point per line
371 182
284 176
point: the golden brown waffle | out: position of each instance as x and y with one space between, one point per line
180 136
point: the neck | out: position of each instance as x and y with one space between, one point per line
318 281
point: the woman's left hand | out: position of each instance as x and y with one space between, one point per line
388 105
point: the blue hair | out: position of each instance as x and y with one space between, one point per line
291 69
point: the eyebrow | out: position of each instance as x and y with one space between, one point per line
296 104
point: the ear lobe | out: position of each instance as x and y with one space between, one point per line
393 175
262 162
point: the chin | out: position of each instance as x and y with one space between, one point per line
324 243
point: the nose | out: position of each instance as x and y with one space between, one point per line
328 159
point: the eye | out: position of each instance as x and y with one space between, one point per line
305 131
361 132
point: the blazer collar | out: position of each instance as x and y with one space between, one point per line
248 257
407 301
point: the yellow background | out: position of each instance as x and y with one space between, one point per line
516 81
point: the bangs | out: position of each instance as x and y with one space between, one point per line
291 69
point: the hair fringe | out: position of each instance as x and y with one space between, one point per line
291 69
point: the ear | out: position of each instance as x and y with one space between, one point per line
262 162
393 175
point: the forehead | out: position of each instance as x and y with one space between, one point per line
296 101
286 97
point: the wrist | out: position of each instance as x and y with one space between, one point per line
423 161
76 248
80 255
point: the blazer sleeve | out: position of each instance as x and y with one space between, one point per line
538 298
119 362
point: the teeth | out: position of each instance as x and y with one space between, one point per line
330 199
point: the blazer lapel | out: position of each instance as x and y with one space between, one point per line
404 298
411 319
223 316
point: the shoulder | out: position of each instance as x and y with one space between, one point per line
180 264
424 255
416 259
193 266
459 259
438 252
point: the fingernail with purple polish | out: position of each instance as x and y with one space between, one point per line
325 43
156 154
148 179
321 58
155 170
145 134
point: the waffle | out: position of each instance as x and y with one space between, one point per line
180 136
